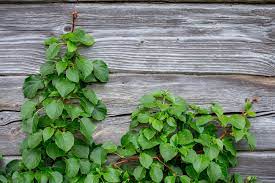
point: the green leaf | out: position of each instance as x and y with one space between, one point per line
101 70
85 166
167 151
202 120
47 133
90 95
61 67
64 86
171 122
228 144
143 118
184 137
30 125
237 121
31 85
149 133
139 173
217 109
64 140
3 179
52 51
214 172
110 147
50 41
91 178
146 144
81 151
201 163
145 160
54 109
157 124
34 139
72 167
73 111
238 178
84 66
156 173
148 100
27 109
211 152
170 179
55 177
72 75
87 128
185 179
31 158
53 151
251 140
71 46
111 175
98 155
99 112
47 68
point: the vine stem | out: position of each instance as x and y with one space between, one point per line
74 17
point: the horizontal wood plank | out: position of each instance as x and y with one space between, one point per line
121 95
260 164
155 38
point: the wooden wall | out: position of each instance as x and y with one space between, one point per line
202 52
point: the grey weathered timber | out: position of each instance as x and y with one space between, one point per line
260 164
122 92
131 1
158 38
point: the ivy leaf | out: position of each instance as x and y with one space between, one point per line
84 66
201 163
52 51
90 95
31 85
237 121
139 173
85 166
64 140
47 68
54 109
47 133
251 139
238 178
170 179
27 109
73 111
87 128
149 133
72 75
184 137
64 86
101 70
214 172
167 151
143 118
100 111
72 167
55 177
211 152
81 151
98 155
61 67
112 175
91 178
110 147
157 124
30 125
171 122
71 46
156 173
217 109
229 146
145 160
185 179
31 158
146 144
53 151
204 119
34 139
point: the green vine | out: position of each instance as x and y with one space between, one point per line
169 140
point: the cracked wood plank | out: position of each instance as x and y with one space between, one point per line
147 38
121 95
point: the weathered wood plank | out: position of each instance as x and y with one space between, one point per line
114 127
260 164
148 1
166 38
121 95
122 92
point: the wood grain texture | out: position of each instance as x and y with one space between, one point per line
121 95
155 38
260 164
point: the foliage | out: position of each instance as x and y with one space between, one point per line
168 141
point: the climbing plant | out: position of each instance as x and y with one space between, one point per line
168 141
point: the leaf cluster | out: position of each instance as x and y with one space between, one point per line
168 141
